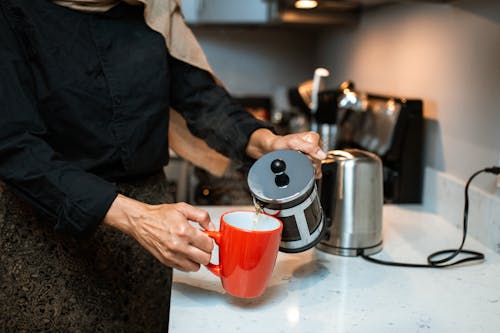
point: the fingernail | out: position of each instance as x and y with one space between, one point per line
321 154
211 226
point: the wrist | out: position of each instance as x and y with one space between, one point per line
260 143
123 214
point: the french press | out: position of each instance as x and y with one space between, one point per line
282 184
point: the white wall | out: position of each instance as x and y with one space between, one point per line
256 61
447 55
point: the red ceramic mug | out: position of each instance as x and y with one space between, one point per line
247 251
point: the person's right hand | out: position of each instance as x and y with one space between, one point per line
164 231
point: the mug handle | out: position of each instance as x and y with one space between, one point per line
215 235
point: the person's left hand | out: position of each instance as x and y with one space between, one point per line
263 141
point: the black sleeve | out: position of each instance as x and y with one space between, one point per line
75 199
210 112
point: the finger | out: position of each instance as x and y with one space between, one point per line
198 256
189 259
311 137
195 214
318 174
202 241
317 168
179 262
308 143
185 265
311 148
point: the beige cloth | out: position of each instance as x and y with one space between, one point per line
89 6
165 17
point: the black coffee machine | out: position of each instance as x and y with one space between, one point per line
390 127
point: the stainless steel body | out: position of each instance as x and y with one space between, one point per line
390 127
282 184
351 194
373 129
327 133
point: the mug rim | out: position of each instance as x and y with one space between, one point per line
280 223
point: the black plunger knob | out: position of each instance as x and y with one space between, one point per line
278 166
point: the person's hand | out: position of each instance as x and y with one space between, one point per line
263 141
164 231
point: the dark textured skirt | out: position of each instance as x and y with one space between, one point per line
53 283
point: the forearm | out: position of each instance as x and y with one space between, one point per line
74 199
210 112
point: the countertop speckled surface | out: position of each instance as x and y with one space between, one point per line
314 291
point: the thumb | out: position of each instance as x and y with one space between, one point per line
310 145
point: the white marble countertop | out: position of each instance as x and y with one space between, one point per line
314 291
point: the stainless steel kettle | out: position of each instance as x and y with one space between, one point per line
351 194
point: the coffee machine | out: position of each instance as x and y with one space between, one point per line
390 127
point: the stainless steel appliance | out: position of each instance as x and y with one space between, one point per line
388 126
282 183
351 195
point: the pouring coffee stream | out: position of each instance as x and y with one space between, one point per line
258 210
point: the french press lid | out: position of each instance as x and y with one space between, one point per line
281 176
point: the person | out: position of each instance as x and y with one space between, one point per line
89 232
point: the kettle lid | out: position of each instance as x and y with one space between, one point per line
281 176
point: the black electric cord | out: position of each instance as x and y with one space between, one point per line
432 261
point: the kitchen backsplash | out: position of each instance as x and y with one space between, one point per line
445 195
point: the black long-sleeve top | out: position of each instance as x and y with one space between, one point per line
84 101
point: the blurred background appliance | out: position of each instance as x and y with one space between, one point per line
390 127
